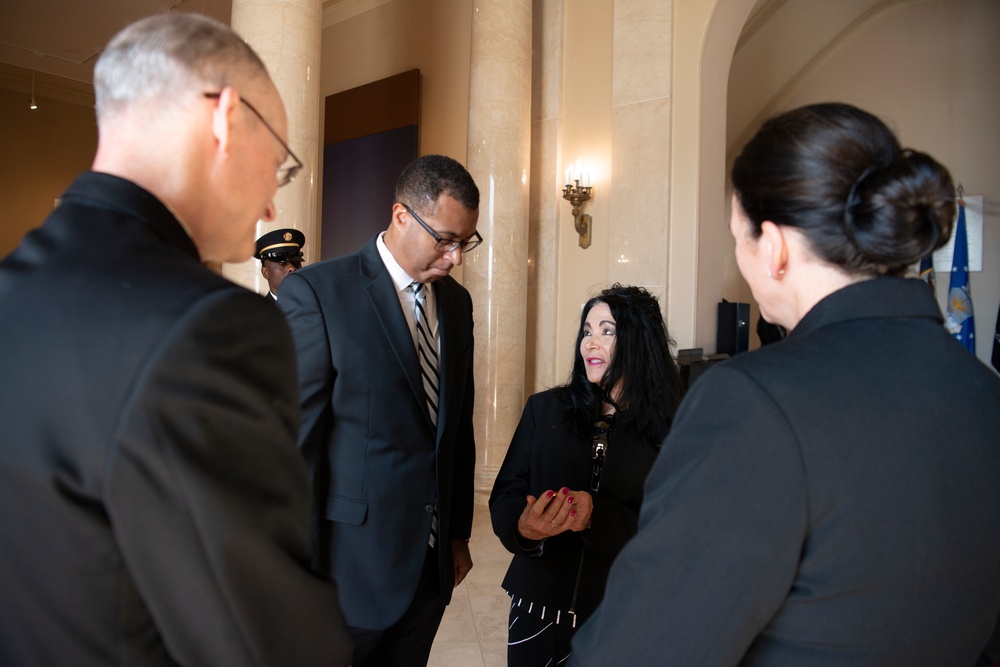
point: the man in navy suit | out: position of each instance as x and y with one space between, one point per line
390 443
154 509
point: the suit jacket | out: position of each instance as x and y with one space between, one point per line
153 506
378 466
545 453
831 499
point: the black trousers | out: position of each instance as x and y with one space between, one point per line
406 643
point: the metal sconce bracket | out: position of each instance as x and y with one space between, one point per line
576 195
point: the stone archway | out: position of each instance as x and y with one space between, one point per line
699 242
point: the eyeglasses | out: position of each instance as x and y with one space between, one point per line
444 246
287 174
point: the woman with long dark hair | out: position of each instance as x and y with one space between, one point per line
568 493
832 499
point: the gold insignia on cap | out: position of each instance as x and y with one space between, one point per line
287 236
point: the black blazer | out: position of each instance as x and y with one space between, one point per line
546 454
832 499
153 506
377 465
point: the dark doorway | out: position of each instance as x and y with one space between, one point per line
371 133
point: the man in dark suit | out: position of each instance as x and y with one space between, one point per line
154 509
388 439
280 254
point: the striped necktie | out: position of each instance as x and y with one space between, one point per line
427 350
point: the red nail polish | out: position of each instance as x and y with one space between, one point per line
570 500
572 512
549 494
565 490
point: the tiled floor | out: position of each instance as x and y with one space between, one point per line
474 630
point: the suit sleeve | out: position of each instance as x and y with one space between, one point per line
463 482
306 320
512 484
721 528
209 498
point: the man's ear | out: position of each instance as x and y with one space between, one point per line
263 271
400 216
775 244
226 106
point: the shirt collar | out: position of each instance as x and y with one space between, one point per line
399 277
875 298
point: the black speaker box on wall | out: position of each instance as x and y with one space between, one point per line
732 334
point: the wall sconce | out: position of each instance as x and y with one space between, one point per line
576 191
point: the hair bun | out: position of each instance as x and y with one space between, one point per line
852 196
897 214
838 174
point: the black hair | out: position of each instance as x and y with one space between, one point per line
838 174
651 387
427 177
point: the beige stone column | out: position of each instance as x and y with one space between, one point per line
546 203
496 273
286 35
638 250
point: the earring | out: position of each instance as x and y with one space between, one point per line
769 274
781 272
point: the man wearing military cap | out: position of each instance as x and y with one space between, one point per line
280 253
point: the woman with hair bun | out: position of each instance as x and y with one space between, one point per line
833 499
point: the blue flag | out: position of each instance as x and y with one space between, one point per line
958 319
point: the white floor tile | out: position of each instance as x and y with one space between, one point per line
473 632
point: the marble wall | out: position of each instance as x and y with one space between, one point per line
640 191
496 274
286 35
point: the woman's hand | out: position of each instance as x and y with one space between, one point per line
555 512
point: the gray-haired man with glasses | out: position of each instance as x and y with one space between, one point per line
384 341
154 508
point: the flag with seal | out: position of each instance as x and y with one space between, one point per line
959 320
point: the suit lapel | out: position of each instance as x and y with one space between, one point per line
385 302
448 330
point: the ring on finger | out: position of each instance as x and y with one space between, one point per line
554 524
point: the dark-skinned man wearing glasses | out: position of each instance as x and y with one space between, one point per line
154 508
384 341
